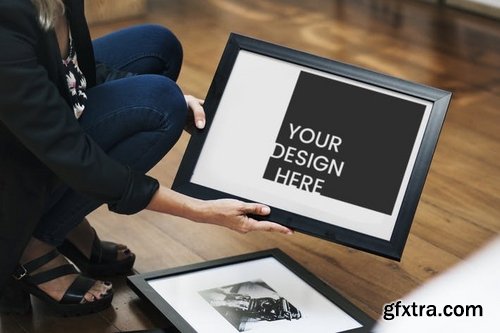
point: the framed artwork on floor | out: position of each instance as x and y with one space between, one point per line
259 292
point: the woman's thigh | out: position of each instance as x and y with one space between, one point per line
143 49
135 119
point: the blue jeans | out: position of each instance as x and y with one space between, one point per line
136 119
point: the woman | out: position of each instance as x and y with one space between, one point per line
80 124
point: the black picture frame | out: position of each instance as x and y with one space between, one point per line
391 245
141 285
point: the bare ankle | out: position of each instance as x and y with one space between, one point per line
35 249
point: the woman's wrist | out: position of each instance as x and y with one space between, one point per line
196 209
170 202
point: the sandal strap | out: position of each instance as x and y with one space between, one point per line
109 251
51 274
35 264
76 292
96 253
31 266
103 251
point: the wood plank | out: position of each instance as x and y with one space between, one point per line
101 11
138 315
434 224
44 320
487 8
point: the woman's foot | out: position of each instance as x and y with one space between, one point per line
82 237
94 257
57 287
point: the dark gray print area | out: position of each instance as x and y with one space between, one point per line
345 142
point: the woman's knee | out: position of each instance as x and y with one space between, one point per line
153 102
169 46
141 49
169 100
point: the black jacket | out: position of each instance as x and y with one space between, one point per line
41 142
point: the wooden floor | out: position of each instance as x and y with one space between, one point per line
459 209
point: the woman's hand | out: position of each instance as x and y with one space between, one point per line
229 213
196 114
234 214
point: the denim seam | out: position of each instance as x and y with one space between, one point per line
130 60
117 112
125 109
148 150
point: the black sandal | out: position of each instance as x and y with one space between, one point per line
16 297
102 260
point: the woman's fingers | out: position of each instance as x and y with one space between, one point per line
269 226
254 225
257 209
234 214
196 107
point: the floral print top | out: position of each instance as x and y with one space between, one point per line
76 80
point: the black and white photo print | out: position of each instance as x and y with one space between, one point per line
250 304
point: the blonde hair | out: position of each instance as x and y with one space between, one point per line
48 11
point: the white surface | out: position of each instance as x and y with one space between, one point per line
242 138
318 313
475 281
